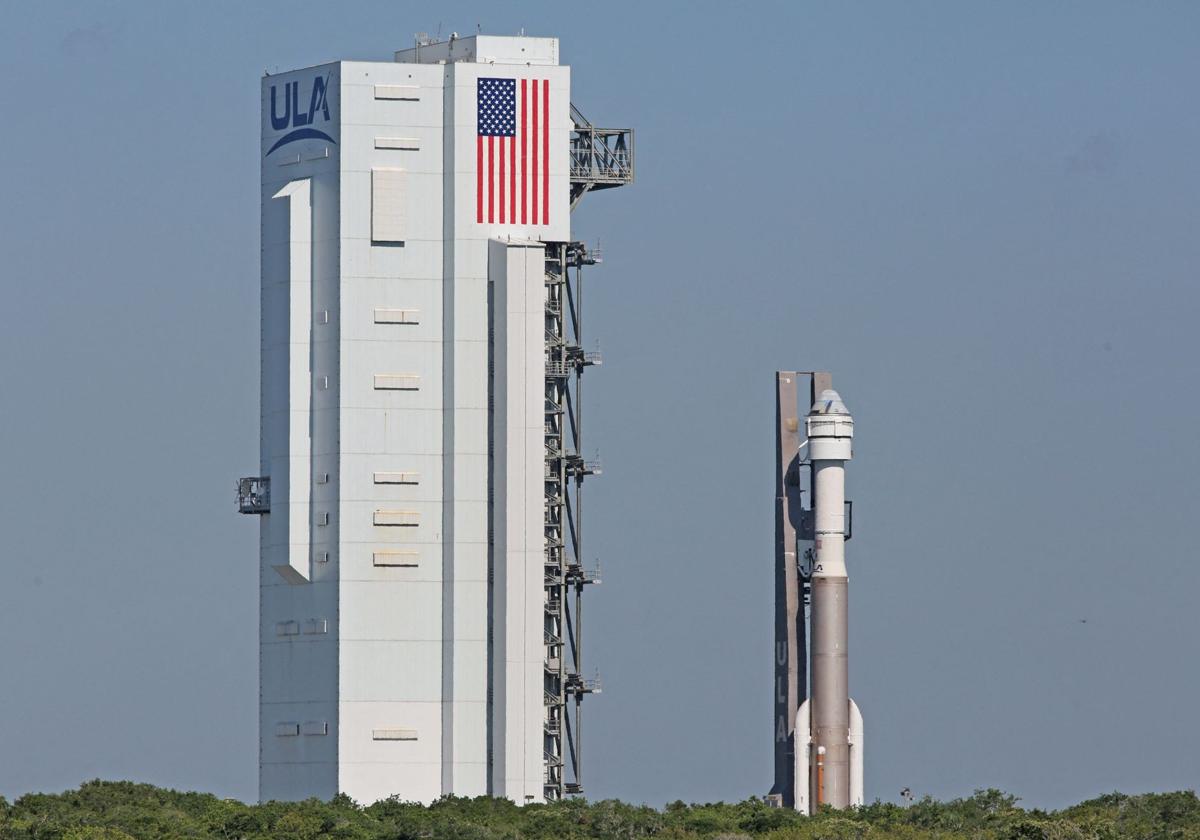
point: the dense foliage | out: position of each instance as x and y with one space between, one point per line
123 810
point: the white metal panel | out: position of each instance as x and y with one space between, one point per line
397 382
395 610
360 524
297 495
411 93
396 365
419 259
359 81
397 478
400 557
517 274
370 672
390 310
360 719
421 473
370 431
379 535
357 562
397 316
422 193
401 518
389 205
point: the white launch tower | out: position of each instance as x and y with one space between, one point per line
415 466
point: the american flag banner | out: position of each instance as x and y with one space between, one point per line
512 148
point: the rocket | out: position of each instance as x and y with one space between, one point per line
824 743
829 723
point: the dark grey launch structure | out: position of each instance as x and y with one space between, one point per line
601 158
793 523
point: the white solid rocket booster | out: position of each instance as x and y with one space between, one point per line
829 738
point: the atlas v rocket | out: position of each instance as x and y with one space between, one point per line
818 728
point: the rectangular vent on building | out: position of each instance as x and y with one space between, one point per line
397 478
397 382
322 518
402 518
406 93
394 734
314 727
400 558
403 144
287 628
397 316
287 730
289 160
322 478
389 212
314 626
323 316
321 555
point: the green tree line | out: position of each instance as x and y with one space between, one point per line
122 810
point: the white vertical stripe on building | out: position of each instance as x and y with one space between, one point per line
516 271
297 495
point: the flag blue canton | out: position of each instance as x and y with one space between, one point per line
497 107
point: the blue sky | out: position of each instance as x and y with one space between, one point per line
981 217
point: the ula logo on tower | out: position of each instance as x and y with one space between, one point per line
287 113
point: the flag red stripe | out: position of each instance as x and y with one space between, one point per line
533 141
501 180
479 179
512 179
524 155
491 179
546 152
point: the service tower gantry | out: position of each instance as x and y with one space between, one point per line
601 158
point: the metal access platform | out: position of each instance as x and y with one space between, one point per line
254 494
601 158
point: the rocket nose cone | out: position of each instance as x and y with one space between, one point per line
829 403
